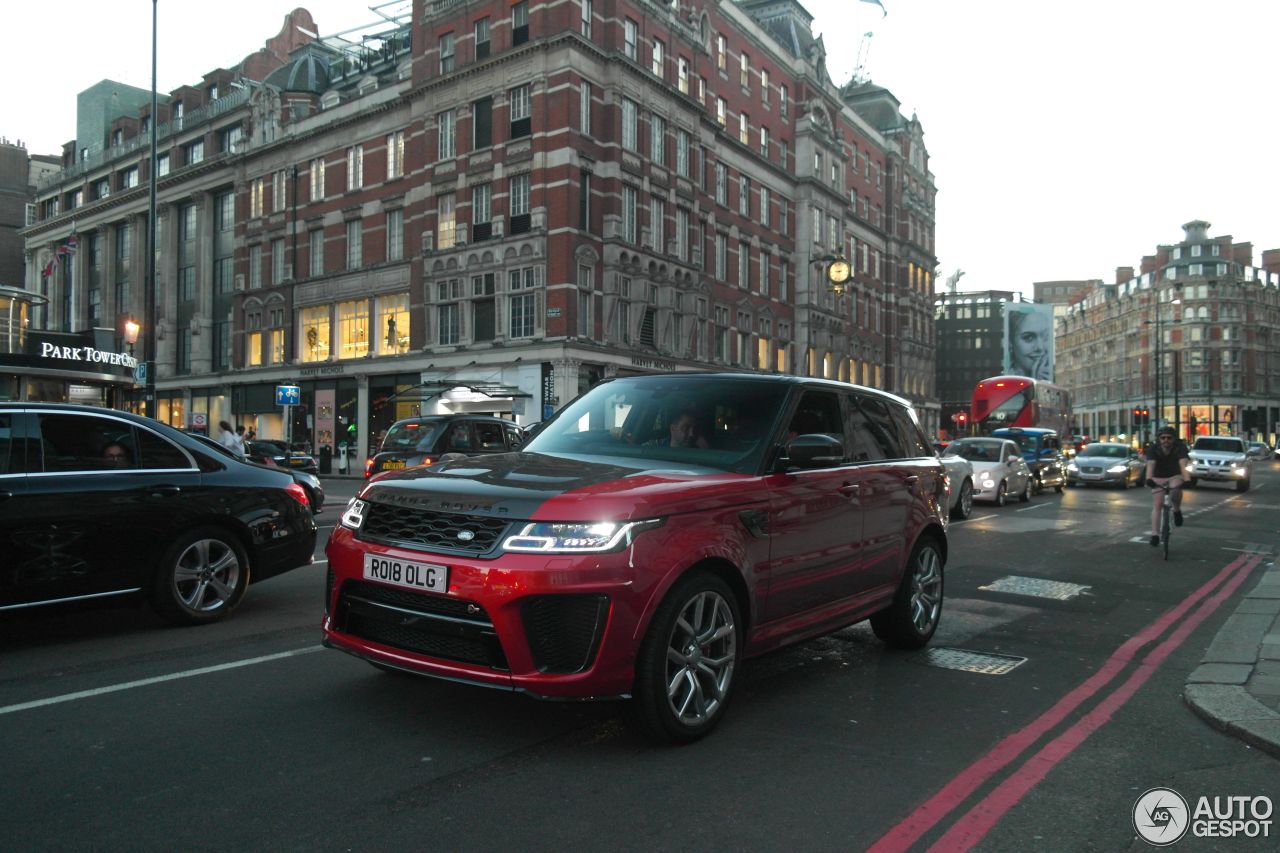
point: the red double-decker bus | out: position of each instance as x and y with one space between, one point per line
1019 401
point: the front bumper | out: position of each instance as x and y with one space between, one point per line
1224 471
553 626
1092 474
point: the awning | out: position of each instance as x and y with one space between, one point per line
429 391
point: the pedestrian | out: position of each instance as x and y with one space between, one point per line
240 440
228 439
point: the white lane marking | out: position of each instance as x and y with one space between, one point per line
1036 506
129 685
967 520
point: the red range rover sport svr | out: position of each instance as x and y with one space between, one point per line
654 534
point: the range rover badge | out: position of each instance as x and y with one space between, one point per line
466 535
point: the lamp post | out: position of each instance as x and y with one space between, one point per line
149 297
1159 324
131 329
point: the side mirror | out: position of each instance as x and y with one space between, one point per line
814 450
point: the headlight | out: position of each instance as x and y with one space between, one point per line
1071 466
353 515
985 481
551 537
1117 469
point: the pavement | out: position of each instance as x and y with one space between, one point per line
1236 687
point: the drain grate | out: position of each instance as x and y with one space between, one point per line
983 663
1037 587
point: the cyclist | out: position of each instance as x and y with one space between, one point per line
1167 460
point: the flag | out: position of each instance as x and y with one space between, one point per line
69 245
880 4
50 267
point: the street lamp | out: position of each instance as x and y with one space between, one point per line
1159 324
131 329
149 279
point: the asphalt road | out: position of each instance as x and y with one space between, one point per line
120 733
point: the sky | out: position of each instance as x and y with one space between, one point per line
1066 137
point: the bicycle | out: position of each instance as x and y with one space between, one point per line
1166 519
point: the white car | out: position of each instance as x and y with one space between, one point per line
959 484
1223 458
999 470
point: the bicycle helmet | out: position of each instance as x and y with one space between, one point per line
1168 431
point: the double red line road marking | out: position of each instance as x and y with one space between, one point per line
972 826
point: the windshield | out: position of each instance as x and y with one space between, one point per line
1110 451
1026 443
975 451
411 435
723 422
1219 445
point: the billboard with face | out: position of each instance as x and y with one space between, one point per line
1028 340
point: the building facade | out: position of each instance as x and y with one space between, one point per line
971 347
491 205
1191 337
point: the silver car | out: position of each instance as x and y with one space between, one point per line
999 471
1106 463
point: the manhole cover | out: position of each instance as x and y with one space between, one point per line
1038 587
984 663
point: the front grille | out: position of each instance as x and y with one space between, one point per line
433 625
1090 470
431 531
564 630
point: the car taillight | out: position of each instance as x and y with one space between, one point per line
299 494
368 467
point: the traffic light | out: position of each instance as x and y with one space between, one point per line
1141 416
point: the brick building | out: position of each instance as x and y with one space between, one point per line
490 205
1191 336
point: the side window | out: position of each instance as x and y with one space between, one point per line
878 436
818 412
6 443
158 453
913 441
459 440
78 442
490 436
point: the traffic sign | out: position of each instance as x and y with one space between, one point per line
288 395
199 420
140 372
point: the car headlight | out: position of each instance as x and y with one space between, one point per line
554 537
1117 469
353 515
1071 466
986 481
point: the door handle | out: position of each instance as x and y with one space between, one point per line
849 489
912 479
5 494
163 491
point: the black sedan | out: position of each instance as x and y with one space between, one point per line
271 452
309 481
99 503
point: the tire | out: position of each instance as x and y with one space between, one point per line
202 576
964 504
1025 497
1002 493
1242 486
1037 485
909 623
684 679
